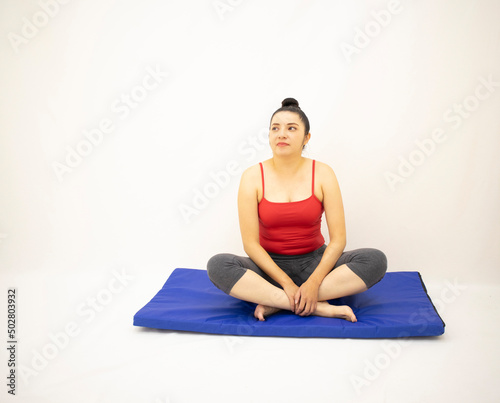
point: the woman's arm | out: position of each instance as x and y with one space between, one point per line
335 219
249 228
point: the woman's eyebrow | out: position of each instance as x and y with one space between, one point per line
287 124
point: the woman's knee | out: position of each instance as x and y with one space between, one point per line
224 270
216 264
378 262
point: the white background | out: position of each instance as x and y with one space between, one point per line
225 66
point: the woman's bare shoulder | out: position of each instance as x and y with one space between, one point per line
324 170
252 175
251 172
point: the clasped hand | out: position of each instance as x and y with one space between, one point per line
303 299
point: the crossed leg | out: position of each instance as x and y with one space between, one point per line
340 282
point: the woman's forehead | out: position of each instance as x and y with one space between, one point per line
286 117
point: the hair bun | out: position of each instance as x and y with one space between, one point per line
290 102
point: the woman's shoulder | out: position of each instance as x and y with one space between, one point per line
255 169
252 174
323 169
252 170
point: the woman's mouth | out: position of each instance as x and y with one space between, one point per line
282 144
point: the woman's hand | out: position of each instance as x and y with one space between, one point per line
291 290
306 298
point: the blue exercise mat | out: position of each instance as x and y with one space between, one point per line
397 306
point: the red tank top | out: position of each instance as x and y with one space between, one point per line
290 228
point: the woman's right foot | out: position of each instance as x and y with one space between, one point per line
335 311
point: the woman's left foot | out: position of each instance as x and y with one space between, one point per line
261 311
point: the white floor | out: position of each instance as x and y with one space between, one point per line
103 358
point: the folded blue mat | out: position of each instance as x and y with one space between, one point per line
397 306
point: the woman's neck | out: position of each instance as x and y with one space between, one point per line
287 165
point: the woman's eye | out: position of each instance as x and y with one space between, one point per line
290 128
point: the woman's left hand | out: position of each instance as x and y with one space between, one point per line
306 298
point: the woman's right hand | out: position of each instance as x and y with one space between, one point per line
290 289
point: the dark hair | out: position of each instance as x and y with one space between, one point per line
292 105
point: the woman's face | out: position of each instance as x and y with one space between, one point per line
286 135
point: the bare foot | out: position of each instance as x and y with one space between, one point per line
261 311
335 311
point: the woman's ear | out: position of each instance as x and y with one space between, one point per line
307 137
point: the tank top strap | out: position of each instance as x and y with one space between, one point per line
262 174
313 177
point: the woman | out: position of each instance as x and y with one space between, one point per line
280 205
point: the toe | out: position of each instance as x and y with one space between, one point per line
259 313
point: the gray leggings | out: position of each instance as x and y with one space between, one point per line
225 269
